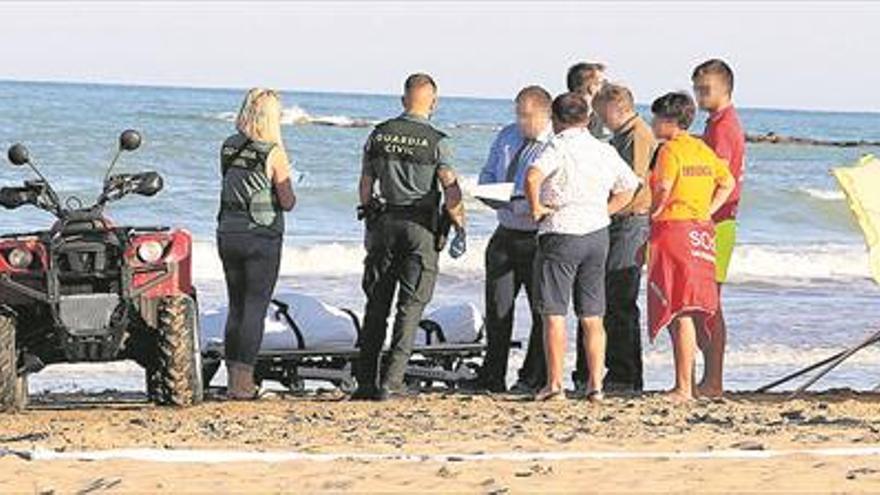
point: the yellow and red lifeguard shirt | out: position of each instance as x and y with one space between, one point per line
695 172
681 268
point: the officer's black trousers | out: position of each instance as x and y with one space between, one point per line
623 356
509 267
401 258
250 263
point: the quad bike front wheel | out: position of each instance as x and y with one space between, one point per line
13 388
176 377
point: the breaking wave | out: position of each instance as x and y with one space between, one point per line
761 264
296 115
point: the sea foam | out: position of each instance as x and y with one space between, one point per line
784 265
296 115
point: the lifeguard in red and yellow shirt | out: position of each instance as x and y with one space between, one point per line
689 184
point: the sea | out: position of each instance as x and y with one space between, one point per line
799 286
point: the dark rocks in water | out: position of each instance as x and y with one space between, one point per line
341 122
773 138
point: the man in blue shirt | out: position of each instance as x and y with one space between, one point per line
511 250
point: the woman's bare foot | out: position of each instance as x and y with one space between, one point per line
678 396
550 394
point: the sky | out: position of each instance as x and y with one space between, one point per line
800 55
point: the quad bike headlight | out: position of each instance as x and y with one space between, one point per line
150 251
20 258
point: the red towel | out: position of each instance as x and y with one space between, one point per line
681 271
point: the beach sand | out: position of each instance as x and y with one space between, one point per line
449 426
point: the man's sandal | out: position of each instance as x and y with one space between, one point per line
550 396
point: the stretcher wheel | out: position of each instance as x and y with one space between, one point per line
345 386
295 385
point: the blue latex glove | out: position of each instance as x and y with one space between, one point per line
458 246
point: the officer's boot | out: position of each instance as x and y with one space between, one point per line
366 372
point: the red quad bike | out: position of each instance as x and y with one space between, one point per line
88 291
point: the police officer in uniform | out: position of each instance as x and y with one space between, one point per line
406 171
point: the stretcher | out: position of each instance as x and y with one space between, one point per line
307 340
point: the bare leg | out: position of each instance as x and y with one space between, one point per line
594 344
684 338
712 384
554 350
703 340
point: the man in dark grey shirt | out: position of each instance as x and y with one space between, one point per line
408 159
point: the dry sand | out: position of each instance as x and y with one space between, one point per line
451 424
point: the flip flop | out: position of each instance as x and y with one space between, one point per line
550 396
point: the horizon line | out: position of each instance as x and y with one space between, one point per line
180 86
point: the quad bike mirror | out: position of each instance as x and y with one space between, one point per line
129 140
18 155
148 183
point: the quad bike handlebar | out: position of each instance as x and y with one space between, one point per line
118 186
41 194
35 192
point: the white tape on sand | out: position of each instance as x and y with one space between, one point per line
226 456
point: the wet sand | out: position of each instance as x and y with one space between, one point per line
451 425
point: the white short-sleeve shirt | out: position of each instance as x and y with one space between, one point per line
580 173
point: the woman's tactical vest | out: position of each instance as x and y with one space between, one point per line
247 198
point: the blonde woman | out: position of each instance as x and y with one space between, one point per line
255 194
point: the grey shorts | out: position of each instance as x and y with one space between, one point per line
569 266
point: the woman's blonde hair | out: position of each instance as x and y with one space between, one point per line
260 116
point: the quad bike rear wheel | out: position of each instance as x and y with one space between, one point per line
175 379
13 388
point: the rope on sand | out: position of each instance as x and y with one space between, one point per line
227 456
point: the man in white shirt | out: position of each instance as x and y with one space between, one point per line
572 189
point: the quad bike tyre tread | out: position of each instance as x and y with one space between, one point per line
176 379
13 389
